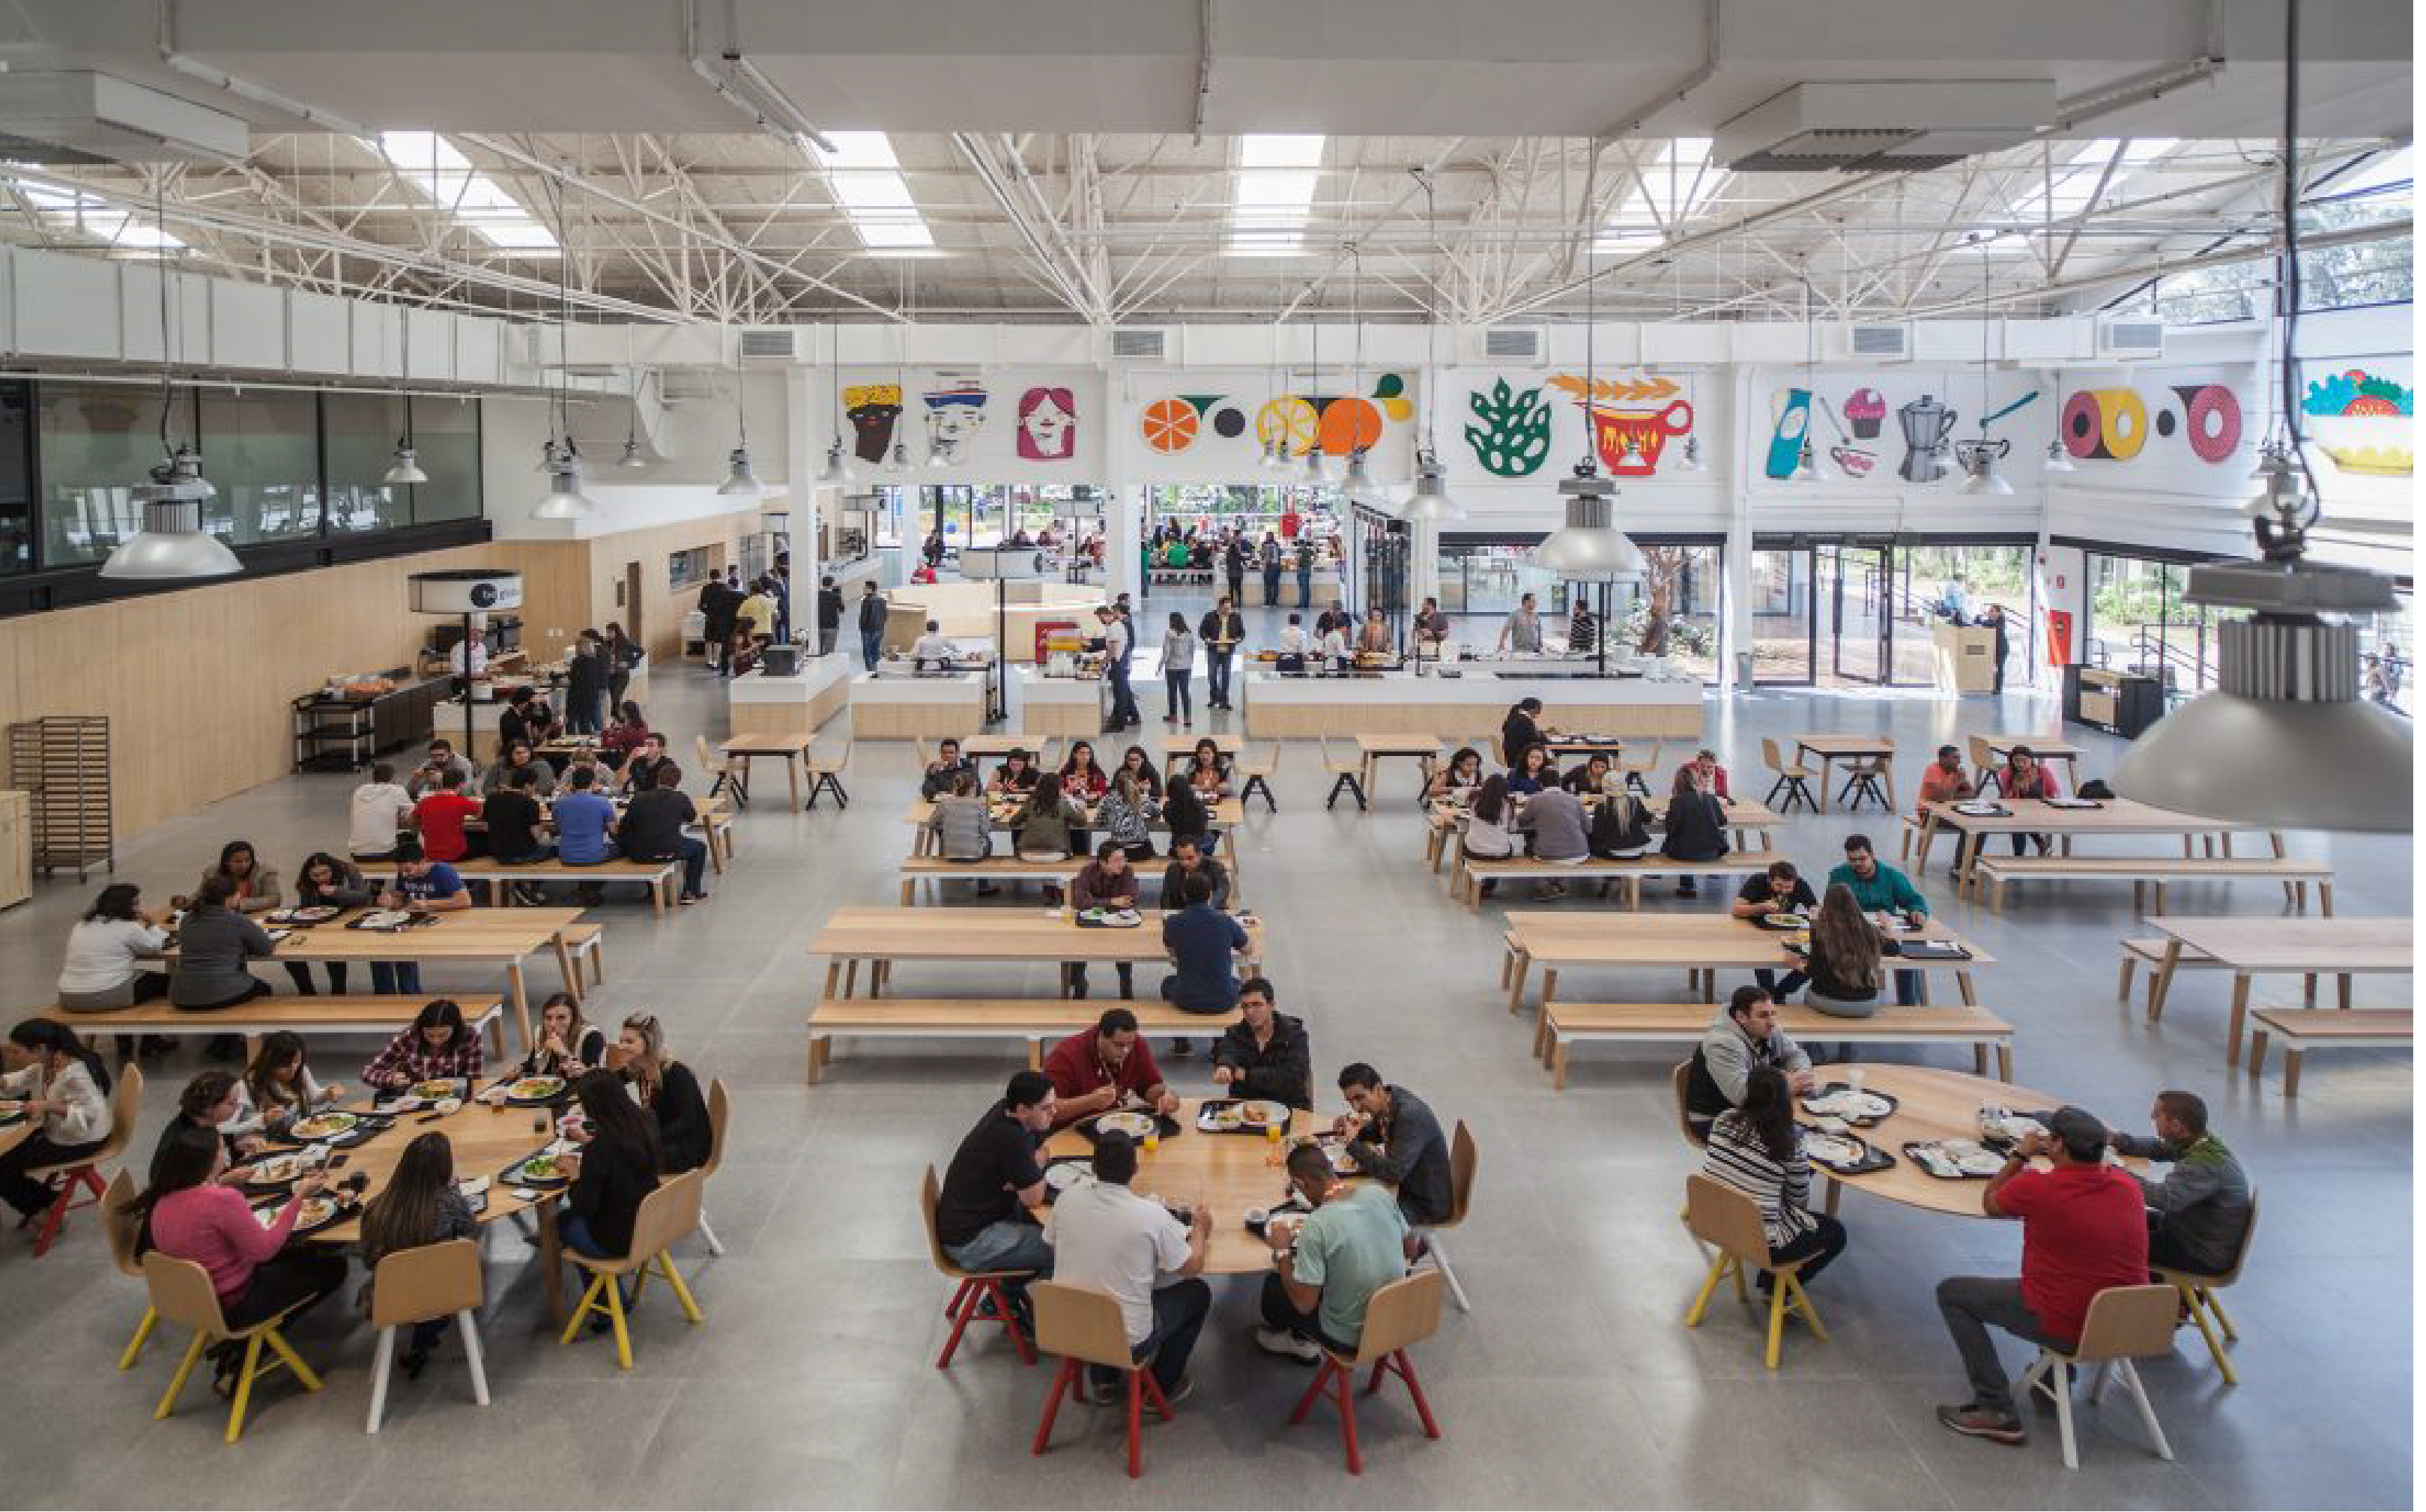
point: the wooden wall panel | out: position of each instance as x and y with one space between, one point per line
661 608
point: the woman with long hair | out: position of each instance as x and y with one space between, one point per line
624 734
1533 771
1126 815
278 1087
1844 965
666 1088
1138 765
1697 824
1047 823
1178 670
1463 774
615 1169
255 889
1015 778
1490 827
188 1213
438 1046
1756 1148
325 881
420 1204
108 950
1081 778
622 654
66 1093
1209 771
568 1043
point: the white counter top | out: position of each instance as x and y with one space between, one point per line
952 688
816 675
1473 685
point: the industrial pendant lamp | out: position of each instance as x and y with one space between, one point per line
171 542
1979 458
741 475
2286 739
406 469
558 456
1807 464
837 468
2059 458
631 456
1589 547
1431 503
1315 473
1692 461
1357 482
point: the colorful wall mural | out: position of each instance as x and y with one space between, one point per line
2362 420
2117 424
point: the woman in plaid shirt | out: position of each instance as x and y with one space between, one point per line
436 1046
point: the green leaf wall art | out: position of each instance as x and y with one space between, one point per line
1514 436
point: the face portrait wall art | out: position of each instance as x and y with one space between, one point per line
1049 425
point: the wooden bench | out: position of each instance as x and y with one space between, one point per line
1032 1020
2142 872
917 869
1566 1024
659 877
2303 1030
1467 877
352 1014
584 943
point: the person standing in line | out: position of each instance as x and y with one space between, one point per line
1995 617
585 685
1222 631
717 603
1178 670
829 614
1116 668
1305 575
622 655
1272 555
1234 567
1522 631
872 609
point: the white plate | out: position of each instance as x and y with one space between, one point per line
1135 1125
1831 1147
1864 1105
1984 1162
1063 1178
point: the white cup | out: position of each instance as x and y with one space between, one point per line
1853 1078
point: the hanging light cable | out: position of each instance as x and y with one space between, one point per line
2287 704
1430 502
837 468
632 457
1692 461
1979 466
1357 482
559 459
1315 474
171 542
1806 465
1589 547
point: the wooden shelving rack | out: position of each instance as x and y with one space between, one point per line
63 761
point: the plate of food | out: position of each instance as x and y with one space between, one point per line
274 1171
2001 1126
432 1091
1786 921
1979 809
1847 1154
535 1089
1858 1108
324 1125
1135 1125
1258 1112
542 1169
12 1109
310 914
1110 919
382 918
1065 1172
2074 803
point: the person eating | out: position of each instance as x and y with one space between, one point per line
668 1090
1756 1150
1743 1036
1137 764
440 817
1326 1268
438 1046
2198 1216
941 773
440 758
1781 889
108 951
1203 944
2023 776
1843 963
1081 778
1393 1137
1459 778
1880 889
1096 1069
1266 1053
1108 881
1015 778
1108 1238
568 1044
254 888
984 1215
65 1091
652 829
1188 858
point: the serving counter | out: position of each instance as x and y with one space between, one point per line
930 705
797 705
1468 701
966 611
1071 707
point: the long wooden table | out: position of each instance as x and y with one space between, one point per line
2044 747
1372 749
485 1141
882 937
1749 822
2246 946
2112 817
1702 945
1224 814
1228 1173
1930 1104
1830 749
792 746
499 936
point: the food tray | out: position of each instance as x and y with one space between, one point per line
1166 1127
1108 918
1845 1154
1934 1156
1209 1116
276 1173
1064 1173
515 1174
1837 1089
323 1212
541 1096
1783 921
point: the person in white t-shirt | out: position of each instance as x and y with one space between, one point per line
380 810
107 950
1106 1236
1293 639
933 648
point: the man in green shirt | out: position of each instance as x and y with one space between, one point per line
1326 1268
1880 889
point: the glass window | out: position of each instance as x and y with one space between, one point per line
262 450
97 442
1781 616
1673 611
360 432
447 439
16 478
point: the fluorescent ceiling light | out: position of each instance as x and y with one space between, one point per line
1676 186
1275 182
864 178
445 177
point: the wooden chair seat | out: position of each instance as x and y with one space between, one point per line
2124 1324
666 1215
1083 1325
978 1295
824 772
181 1294
1566 1024
2157 870
2302 1030
441 1280
1031 1019
1728 1222
1402 1313
2197 1289
69 1180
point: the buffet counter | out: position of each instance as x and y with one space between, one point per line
929 706
797 705
966 611
1469 701
1072 706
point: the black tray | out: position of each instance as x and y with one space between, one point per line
1923 1169
1080 919
345 1209
1168 1127
1930 951
1889 1097
1082 1161
1873 1159
416 921
507 1177
370 1127
1294 1206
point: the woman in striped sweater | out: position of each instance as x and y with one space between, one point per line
1758 1149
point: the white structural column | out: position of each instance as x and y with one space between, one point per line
1733 463
803 455
1123 534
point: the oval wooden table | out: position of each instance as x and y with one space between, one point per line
1929 1104
486 1140
1229 1173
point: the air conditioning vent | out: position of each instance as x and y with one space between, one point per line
1874 127
1139 343
1879 344
686 385
2131 340
770 344
1512 343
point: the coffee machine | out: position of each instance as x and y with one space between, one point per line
1926 425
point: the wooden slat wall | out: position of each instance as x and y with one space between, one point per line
196 683
661 608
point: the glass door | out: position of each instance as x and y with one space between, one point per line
1784 623
1855 630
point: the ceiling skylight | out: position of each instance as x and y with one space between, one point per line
864 178
1676 185
2067 190
1275 178
81 214
445 177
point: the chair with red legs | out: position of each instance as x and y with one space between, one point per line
83 1174
1083 1325
979 1297
1402 1313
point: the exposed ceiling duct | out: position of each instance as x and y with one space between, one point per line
1883 127
75 116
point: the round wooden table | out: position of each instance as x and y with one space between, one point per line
1930 1104
1228 1173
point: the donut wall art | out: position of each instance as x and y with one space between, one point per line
2121 424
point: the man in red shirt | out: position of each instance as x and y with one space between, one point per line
1094 1068
2084 1229
439 818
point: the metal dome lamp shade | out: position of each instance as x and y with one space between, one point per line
632 455
565 501
837 468
172 543
1358 485
557 458
741 474
2286 739
2059 458
1431 503
1692 461
406 469
1589 547
1981 475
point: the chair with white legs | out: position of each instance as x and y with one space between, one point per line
719 1113
428 1281
1461 1157
2125 1323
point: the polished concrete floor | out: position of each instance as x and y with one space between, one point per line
1573 1382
